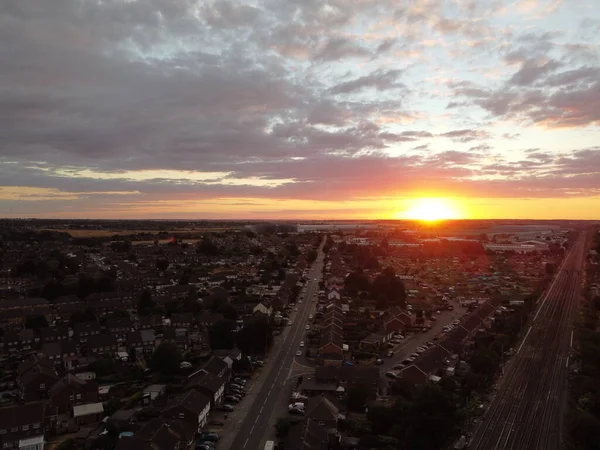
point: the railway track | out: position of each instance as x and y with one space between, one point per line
526 411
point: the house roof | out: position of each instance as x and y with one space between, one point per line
207 380
216 366
307 435
16 416
412 374
87 409
36 370
191 400
33 360
321 409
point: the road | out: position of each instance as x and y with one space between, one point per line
526 412
252 430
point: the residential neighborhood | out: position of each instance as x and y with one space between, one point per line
166 340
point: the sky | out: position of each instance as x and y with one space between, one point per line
299 109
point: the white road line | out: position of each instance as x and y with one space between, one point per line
261 409
571 344
245 443
252 429
524 339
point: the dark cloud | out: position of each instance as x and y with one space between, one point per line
379 80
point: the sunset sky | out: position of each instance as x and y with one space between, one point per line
299 109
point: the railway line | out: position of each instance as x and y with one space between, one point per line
526 413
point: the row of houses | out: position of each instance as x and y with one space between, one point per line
55 404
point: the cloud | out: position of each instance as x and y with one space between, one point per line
108 105
378 80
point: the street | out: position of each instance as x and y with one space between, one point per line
526 412
251 431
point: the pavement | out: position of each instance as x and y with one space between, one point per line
526 412
253 416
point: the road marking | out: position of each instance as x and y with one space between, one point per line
245 443
524 339
567 364
252 429
571 339
261 409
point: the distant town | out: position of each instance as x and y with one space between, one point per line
314 335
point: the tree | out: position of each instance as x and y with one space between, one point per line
221 336
162 263
357 397
549 269
165 359
256 336
228 310
312 256
145 302
36 322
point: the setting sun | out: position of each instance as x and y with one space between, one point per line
430 210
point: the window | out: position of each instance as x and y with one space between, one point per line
6 445
25 427
71 397
42 385
181 415
36 426
78 396
14 429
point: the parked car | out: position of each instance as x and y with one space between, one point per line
215 423
379 361
209 436
307 327
226 407
299 353
389 354
232 399
301 343
399 366
391 375
297 411
414 355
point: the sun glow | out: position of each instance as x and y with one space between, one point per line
430 210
